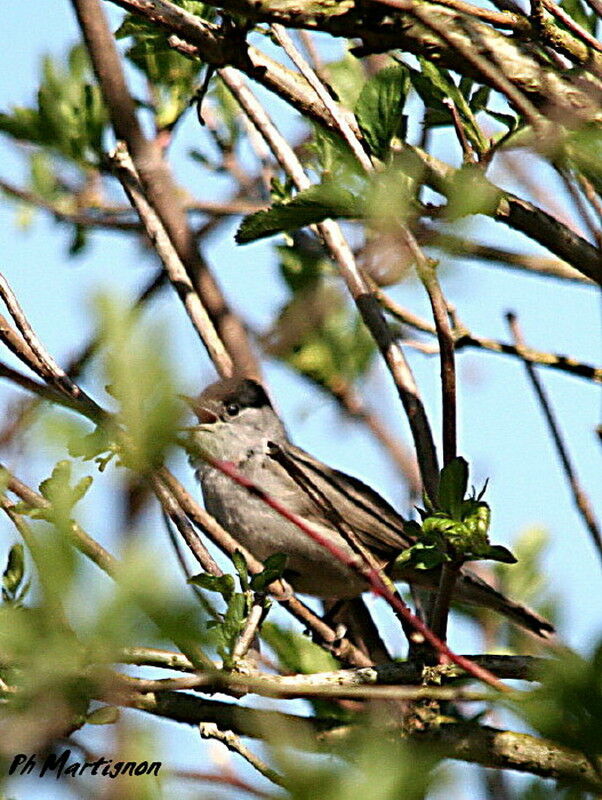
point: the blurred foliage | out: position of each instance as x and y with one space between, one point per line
321 336
69 119
138 371
347 78
567 706
171 76
370 765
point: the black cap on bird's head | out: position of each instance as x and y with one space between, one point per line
224 399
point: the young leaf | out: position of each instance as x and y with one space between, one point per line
273 567
12 577
498 552
434 85
379 108
312 205
240 565
452 486
222 584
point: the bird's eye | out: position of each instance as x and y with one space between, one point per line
232 409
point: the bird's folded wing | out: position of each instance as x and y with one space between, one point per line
374 521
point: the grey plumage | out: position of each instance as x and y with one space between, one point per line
238 424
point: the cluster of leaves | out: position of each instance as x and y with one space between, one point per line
454 528
67 126
388 195
567 706
171 76
228 626
70 119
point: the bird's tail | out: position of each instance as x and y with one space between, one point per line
475 591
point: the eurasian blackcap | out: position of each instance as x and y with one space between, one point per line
238 424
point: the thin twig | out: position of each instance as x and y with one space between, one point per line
271 686
209 730
395 672
428 276
188 533
320 89
457 245
468 154
580 497
250 628
572 25
178 276
44 364
465 338
514 21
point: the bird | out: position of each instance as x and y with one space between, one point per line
238 424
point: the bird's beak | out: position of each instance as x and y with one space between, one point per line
205 415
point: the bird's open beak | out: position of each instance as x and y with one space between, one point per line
205 416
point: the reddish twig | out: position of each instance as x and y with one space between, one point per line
370 575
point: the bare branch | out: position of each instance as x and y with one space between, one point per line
464 338
159 187
178 276
580 497
209 730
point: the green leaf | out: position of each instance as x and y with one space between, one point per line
301 266
231 626
469 192
422 555
452 486
583 151
379 108
273 568
222 584
296 652
60 494
434 85
89 445
334 156
315 204
497 552
578 11
347 78
14 572
240 565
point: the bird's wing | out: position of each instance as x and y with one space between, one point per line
375 522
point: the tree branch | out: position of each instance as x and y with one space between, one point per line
159 187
